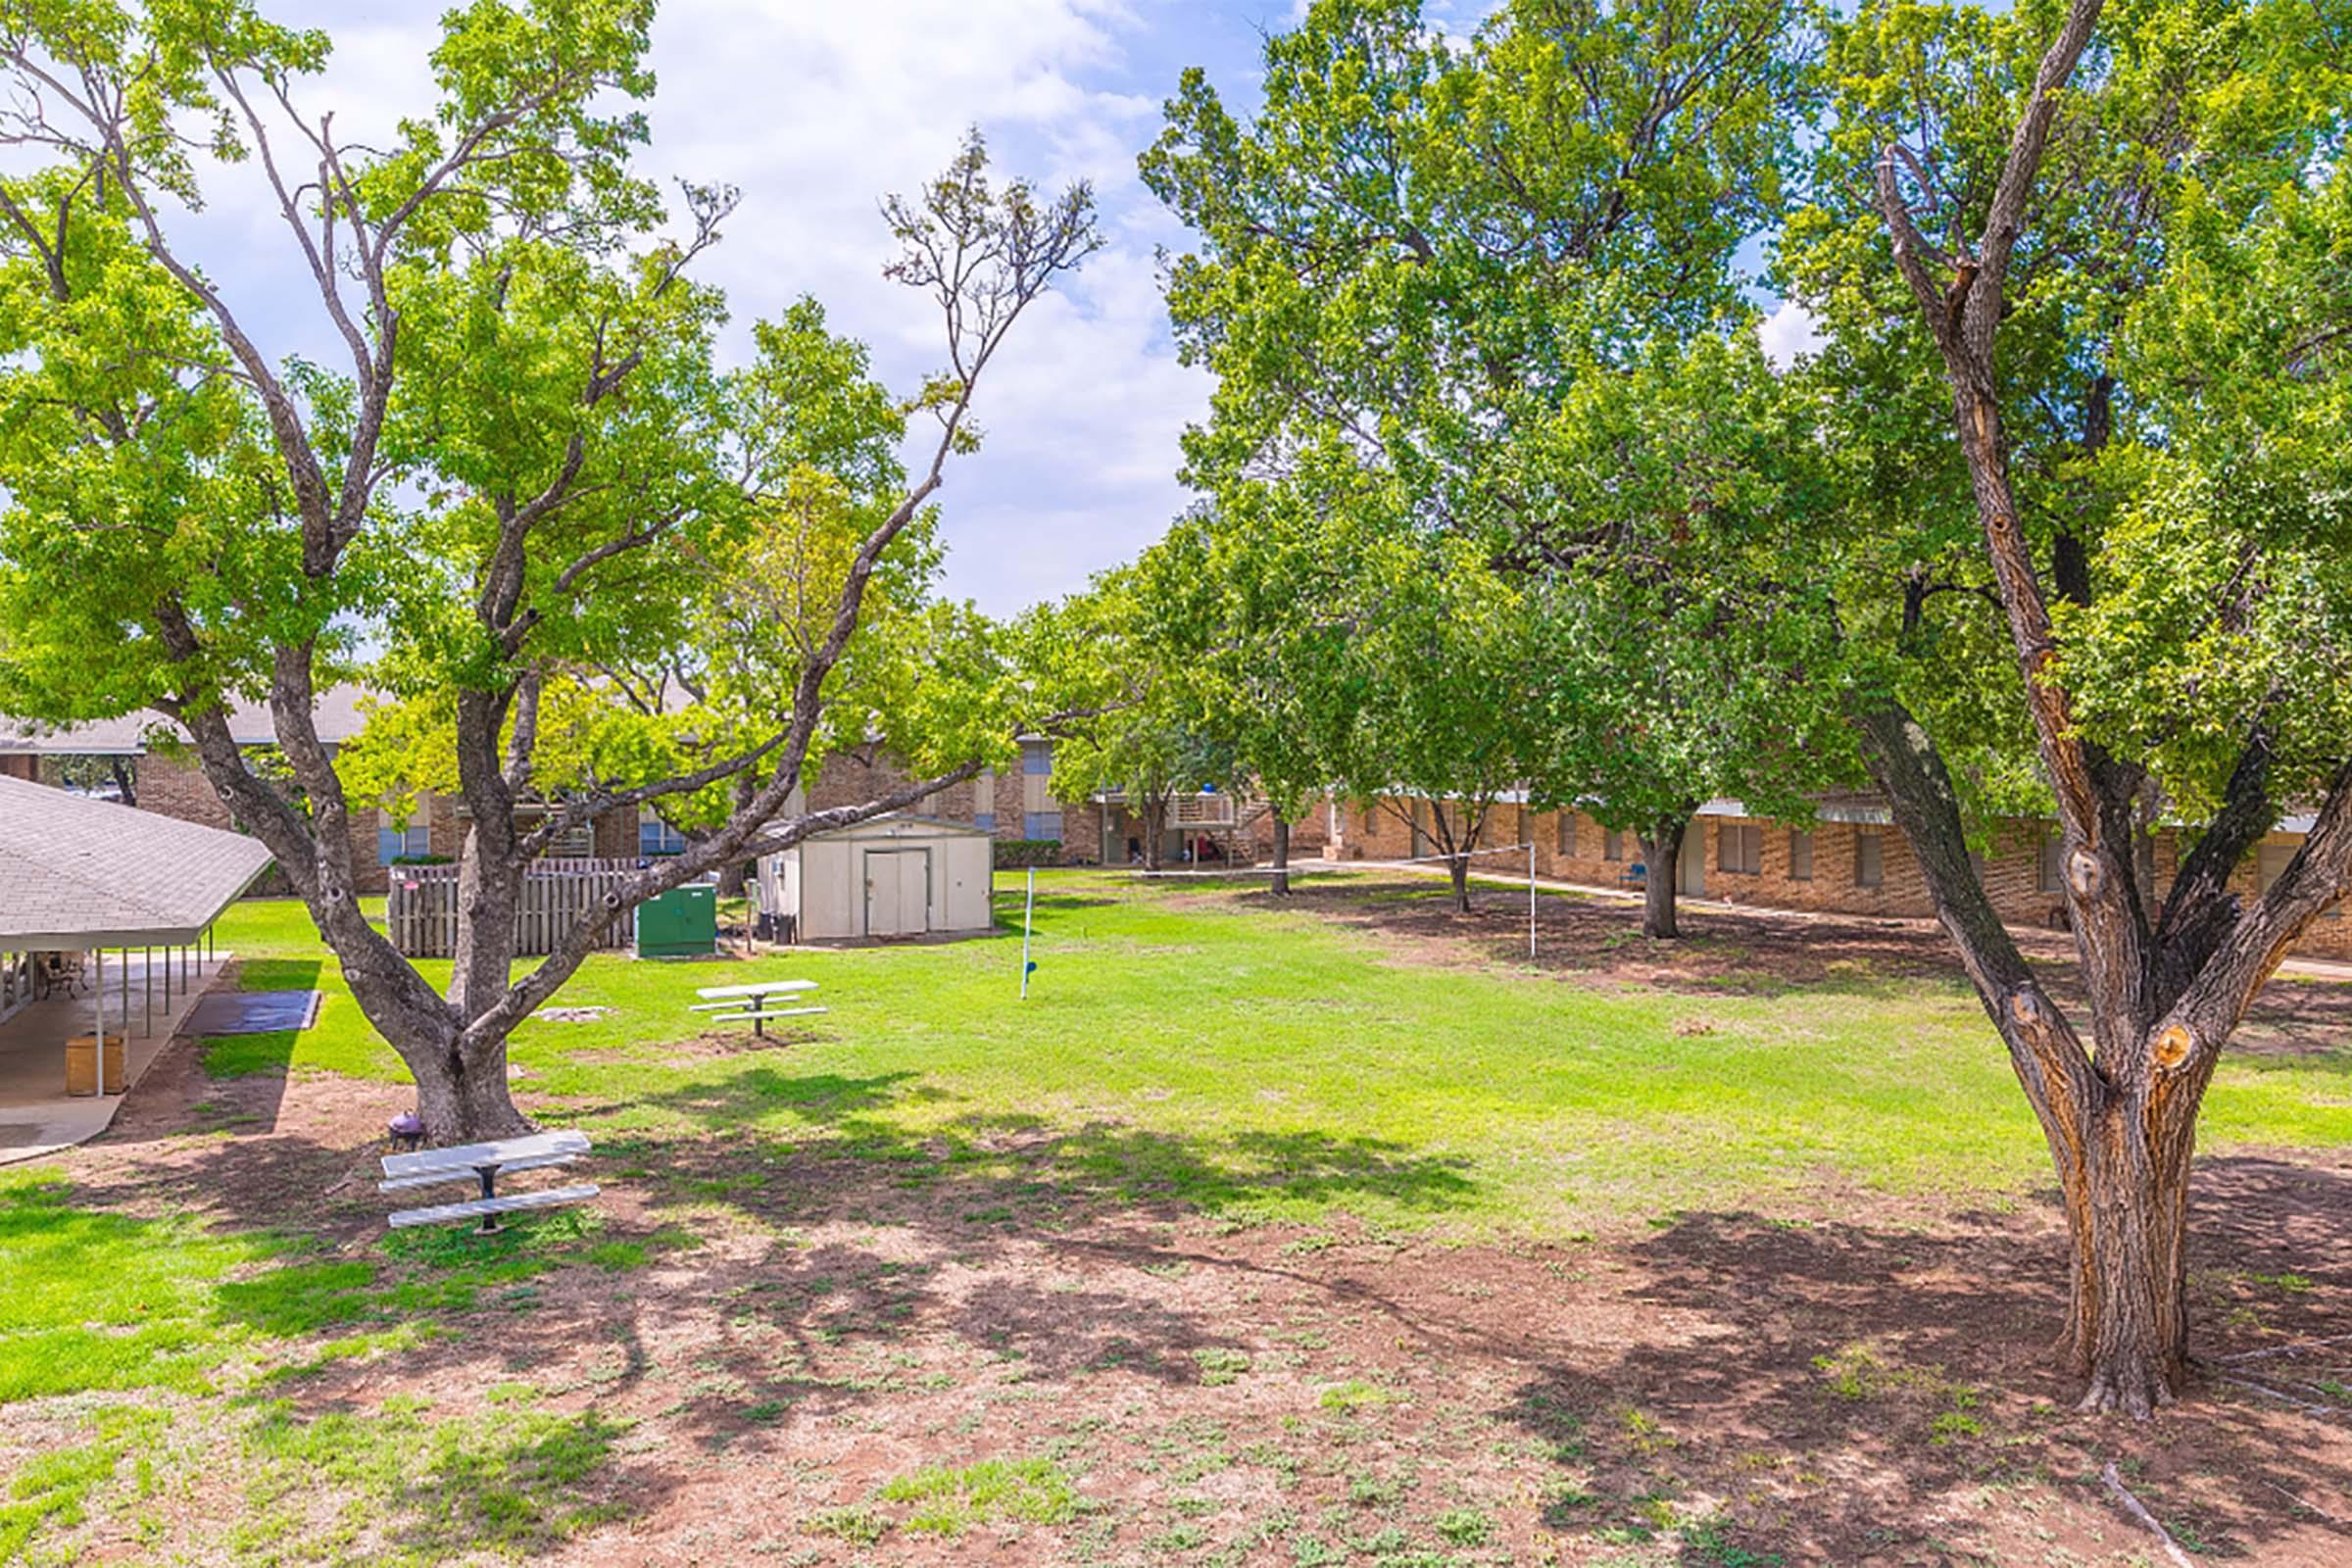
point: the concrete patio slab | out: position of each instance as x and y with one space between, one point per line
38 1117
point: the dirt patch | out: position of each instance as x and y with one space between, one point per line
1870 1387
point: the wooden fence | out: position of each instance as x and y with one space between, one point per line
421 912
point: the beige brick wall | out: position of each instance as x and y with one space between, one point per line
176 786
2011 866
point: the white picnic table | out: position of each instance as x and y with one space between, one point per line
484 1164
728 1003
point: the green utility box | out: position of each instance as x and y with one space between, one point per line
682 923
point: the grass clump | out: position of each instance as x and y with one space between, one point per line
860 1527
1356 1395
948 1501
411 1491
52 1490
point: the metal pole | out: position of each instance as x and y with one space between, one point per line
1028 906
147 989
98 1001
1531 897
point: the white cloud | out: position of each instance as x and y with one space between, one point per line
1788 332
816 112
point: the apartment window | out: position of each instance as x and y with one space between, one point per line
403 843
1869 850
1801 855
2048 875
1037 756
1041 825
577 843
2271 860
656 837
1567 834
1612 845
1739 847
984 801
1367 822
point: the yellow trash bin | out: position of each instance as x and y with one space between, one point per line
81 1064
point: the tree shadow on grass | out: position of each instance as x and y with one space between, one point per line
1793 1354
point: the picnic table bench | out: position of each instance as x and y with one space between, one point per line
737 1003
484 1164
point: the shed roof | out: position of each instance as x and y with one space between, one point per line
85 873
902 825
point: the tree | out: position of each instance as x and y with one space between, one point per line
1132 720
1254 611
526 437
2112 244
1653 507
1445 261
1443 694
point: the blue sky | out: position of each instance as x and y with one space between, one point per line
816 109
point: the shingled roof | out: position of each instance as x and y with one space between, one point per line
81 873
336 715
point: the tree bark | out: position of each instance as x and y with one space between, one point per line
1457 870
462 1096
1282 855
1154 819
1662 850
733 876
2126 1326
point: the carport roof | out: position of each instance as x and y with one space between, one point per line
83 873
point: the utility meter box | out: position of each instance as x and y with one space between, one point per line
682 923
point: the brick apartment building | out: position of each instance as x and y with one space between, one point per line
1850 860
165 778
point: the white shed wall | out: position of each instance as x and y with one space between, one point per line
823 881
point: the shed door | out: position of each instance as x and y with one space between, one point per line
898 893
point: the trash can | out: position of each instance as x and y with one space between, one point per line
682 923
81 1064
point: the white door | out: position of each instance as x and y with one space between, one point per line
1691 865
898 893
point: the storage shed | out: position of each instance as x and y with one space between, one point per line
886 877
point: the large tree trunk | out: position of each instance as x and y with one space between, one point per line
1282 855
2119 1131
1457 870
463 1096
1663 850
2127 1324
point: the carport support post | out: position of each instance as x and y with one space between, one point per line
98 1001
1530 896
147 991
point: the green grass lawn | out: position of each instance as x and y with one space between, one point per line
1194 1052
1200 1048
